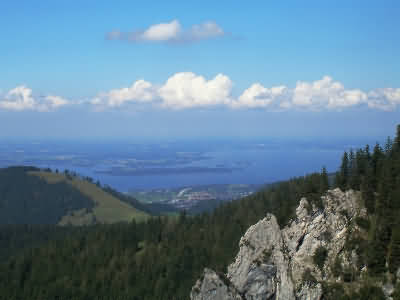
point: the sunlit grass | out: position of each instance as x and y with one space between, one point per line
107 209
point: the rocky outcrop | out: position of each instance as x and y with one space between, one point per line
290 263
212 286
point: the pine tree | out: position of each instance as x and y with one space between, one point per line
388 145
367 153
376 164
324 180
368 191
376 256
342 177
397 140
394 259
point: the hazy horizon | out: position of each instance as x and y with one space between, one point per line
97 71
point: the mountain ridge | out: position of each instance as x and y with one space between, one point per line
29 195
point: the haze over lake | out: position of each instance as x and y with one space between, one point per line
128 165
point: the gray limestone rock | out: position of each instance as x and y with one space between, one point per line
273 263
212 287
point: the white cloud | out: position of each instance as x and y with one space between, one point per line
393 95
21 98
171 32
186 90
140 91
181 90
325 93
384 99
189 90
162 32
55 101
257 96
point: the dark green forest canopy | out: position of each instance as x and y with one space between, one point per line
27 199
29 195
159 259
162 257
376 173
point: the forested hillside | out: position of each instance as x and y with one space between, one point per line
376 174
162 257
159 259
27 199
29 195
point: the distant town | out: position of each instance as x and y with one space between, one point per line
188 197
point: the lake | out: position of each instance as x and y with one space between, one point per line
127 165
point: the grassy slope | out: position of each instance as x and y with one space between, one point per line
108 209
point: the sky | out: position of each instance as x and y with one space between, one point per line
156 69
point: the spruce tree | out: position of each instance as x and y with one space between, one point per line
324 180
397 139
368 191
394 259
343 178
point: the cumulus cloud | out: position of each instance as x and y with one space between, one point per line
325 93
384 99
258 96
171 32
140 91
21 98
189 90
316 95
181 90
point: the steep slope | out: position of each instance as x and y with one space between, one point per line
31 196
107 208
311 258
26 199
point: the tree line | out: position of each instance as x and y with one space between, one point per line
164 256
376 173
157 259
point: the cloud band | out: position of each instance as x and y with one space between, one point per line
187 90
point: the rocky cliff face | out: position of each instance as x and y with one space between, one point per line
291 263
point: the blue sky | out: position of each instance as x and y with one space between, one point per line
200 68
